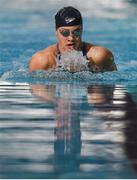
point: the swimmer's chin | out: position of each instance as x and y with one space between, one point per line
71 48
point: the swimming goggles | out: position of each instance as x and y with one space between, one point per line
67 32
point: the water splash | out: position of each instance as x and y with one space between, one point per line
64 76
73 61
74 69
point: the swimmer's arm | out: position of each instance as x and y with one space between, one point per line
102 58
38 62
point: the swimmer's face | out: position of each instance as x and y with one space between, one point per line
69 37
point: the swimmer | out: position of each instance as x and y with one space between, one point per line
69 29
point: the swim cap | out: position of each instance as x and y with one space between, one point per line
68 16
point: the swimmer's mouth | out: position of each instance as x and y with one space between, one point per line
71 46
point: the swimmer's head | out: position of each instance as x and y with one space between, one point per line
68 16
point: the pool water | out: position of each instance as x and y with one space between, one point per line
64 125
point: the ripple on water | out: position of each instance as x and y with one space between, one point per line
126 73
122 77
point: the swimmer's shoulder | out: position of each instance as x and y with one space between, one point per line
51 50
100 56
44 59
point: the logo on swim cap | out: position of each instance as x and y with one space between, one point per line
69 20
68 16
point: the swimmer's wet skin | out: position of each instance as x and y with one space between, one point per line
69 29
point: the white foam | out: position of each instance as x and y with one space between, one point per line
74 61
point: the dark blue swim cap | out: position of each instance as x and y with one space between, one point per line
68 16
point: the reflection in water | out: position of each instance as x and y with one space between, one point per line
106 103
67 131
132 1
131 132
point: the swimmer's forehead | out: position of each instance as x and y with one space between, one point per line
70 27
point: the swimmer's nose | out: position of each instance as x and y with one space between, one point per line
70 38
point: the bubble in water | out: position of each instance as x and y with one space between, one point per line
74 61
6 75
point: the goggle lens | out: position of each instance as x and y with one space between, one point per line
77 32
66 33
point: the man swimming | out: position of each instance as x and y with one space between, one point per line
69 28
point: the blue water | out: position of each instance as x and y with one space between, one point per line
63 125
